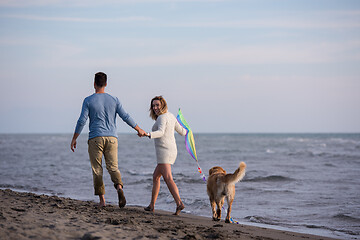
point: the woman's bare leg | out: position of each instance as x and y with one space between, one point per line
156 186
166 173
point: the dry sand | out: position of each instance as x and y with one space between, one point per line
31 216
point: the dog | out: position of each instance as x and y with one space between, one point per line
221 185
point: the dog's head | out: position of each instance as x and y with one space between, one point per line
216 170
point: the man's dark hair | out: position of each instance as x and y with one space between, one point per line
100 79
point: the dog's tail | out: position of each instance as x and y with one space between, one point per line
238 175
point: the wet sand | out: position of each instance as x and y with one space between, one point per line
30 216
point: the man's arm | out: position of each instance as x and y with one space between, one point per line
126 118
73 141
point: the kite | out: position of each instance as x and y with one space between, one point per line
189 141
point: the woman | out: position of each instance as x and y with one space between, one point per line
166 151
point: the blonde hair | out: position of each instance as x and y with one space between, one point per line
163 107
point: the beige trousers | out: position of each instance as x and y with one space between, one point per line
107 147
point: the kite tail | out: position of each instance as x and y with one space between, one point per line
201 172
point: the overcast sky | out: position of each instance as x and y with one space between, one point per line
239 66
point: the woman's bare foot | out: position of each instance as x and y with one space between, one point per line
149 209
179 208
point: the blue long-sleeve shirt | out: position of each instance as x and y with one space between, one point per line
102 109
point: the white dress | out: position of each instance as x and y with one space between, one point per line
164 137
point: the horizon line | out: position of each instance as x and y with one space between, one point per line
228 133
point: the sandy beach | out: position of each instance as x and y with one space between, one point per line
30 216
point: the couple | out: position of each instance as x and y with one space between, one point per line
102 109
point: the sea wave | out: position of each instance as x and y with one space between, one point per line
137 173
302 154
141 181
346 231
262 220
326 155
278 191
195 202
271 178
346 218
270 221
187 179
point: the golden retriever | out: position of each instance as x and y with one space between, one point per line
219 185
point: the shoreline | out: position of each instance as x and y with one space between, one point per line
25 215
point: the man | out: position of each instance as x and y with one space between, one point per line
102 109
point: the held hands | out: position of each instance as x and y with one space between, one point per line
141 133
145 134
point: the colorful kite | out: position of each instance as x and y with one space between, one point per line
189 140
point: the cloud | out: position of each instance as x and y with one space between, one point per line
339 20
76 19
252 54
294 20
268 23
87 3
306 53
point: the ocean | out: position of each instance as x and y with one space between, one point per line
307 183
